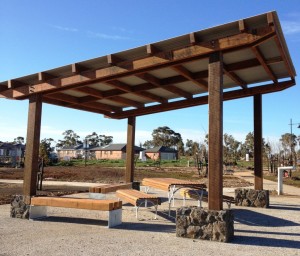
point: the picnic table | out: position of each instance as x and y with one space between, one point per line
171 185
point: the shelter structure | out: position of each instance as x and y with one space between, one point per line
244 58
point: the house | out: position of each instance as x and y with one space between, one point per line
161 153
11 154
114 151
66 153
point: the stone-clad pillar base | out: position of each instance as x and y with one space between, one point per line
198 223
18 207
252 197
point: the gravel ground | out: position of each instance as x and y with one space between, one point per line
272 231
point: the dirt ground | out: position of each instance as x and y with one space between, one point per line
99 175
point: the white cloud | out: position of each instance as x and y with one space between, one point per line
65 28
290 27
106 36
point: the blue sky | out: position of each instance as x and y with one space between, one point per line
41 35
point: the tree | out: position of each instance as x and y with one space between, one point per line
19 140
288 142
249 143
193 147
45 150
164 136
148 144
105 140
70 139
230 148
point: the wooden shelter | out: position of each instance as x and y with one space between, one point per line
248 57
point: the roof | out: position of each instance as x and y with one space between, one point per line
116 147
169 74
162 149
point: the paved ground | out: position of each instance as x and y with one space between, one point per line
272 231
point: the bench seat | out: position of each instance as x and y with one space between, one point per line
137 198
38 207
108 188
203 196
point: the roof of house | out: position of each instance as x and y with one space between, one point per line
161 149
116 147
8 145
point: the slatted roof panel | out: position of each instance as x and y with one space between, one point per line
169 74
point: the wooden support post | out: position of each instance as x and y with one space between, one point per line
258 167
215 136
129 175
32 146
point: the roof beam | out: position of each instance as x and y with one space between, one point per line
44 76
189 75
168 87
127 102
241 93
262 61
13 84
173 57
234 77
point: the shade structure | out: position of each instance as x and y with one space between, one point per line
170 74
248 57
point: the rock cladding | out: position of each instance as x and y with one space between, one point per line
252 197
198 223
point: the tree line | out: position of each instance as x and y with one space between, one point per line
287 149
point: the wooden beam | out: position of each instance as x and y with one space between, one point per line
215 139
91 91
151 49
258 166
234 77
129 173
189 75
168 87
262 61
32 146
43 76
78 68
197 101
242 26
281 46
113 59
127 102
173 57
120 85
13 84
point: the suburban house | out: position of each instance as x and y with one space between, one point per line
114 151
66 153
11 154
161 153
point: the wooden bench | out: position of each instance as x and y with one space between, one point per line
201 195
107 188
137 198
38 207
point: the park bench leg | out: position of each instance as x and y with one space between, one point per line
114 218
37 212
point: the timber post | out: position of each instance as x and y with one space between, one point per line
258 167
32 146
129 173
215 139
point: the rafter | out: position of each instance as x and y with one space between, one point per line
189 75
234 77
241 93
127 102
159 60
168 87
262 61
